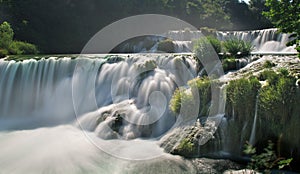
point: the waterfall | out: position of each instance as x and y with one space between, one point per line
56 113
264 41
253 131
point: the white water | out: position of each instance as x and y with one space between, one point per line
253 131
264 41
50 112
267 41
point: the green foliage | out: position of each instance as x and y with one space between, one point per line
181 97
199 88
6 35
285 15
216 44
9 46
241 95
18 47
229 64
186 146
269 75
237 47
3 53
268 64
276 98
166 46
266 160
203 48
202 87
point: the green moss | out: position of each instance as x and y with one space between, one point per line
229 64
197 93
186 146
201 87
268 64
166 46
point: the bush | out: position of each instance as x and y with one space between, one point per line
216 44
229 64
237 47
6 35
268 64
199 88
241 95
276 99
203 48
266 160
166 46
186 146
3 53
181 97
18 47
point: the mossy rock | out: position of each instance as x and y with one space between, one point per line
166 46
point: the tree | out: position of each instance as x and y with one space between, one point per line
6 35
285 15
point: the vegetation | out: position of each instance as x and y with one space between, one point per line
166 46
9 46
266 160
199 88
60 26
237 47
204 48
229 64
285 15
268 64
276 99
240 93
186 146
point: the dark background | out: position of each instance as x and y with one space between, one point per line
64 26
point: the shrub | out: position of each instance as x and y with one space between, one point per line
166 46
241 95
268 64
237 47
229 64
216 44
6 35
199 88
276 99
266 160
269 75
203 48
3 53
18 47
186 146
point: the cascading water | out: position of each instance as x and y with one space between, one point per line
253 131
42 100
264 41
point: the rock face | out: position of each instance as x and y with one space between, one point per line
261 104
214 166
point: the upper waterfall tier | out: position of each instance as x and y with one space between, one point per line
264 41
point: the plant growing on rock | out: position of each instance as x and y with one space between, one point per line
166 46
237 47
266 160
241 95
